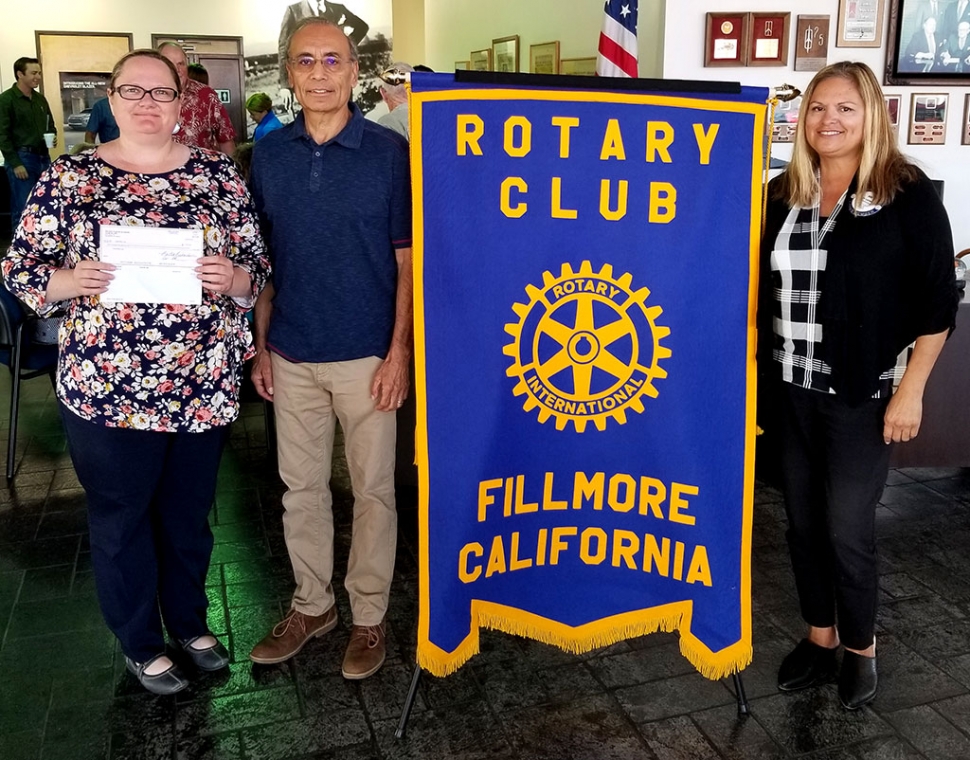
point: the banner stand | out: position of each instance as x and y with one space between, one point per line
402 726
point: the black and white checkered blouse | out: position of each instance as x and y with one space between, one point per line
797 277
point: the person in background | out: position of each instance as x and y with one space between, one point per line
395 96
260 109
956 53
198 73
24 118
101 123
333 335
146 390
244 159
921 51
203 121
856 268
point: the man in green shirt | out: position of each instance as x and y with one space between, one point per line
24 118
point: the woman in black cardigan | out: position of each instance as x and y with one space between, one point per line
857 298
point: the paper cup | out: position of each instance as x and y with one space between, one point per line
49 138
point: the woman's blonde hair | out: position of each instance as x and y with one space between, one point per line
882 168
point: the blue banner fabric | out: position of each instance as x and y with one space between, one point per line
585 277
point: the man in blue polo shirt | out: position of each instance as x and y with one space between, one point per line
102 126
333 337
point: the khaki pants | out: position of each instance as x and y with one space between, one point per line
309 398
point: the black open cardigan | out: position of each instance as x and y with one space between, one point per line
889 279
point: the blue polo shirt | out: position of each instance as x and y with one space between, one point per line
333 216
102 122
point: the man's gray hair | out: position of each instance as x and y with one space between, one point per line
397 93
319 21
170 43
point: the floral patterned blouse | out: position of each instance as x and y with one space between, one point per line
159 367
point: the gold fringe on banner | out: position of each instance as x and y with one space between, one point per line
586 638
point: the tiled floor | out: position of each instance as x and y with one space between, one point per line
64 692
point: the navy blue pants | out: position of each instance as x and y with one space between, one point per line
834 469
149 496
35 164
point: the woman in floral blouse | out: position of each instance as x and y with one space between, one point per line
147 390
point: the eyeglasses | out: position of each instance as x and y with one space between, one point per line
158 94
307 63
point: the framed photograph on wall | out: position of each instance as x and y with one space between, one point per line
726 39
894 104
580 67
768 39
480 60
927 119
914 30
860 23
544 58
74 76
505 54
785 120
965 133
811 42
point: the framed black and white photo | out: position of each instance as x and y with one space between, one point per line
929 42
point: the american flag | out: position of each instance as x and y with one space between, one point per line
618 40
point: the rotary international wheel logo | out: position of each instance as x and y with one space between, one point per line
586 347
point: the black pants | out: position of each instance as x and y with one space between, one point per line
834 468
149 496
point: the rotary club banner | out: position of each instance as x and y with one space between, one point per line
585 274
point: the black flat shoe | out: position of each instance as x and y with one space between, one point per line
208 659
167 682
806 665
857 681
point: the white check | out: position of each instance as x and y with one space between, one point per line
155 264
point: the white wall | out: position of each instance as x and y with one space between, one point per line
453 28
685 22
136 16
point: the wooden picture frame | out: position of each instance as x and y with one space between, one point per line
463 65
544 58
811 42
927 118
578 67
726 39
768 39
907 60
480 60
505 54
860 23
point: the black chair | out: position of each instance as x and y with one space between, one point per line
26 358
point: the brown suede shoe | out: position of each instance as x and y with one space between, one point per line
365 652
290 635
